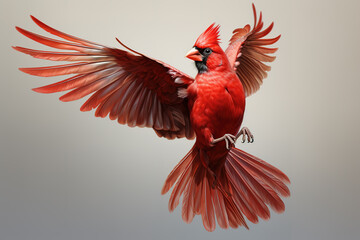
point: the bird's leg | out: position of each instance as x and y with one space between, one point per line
231 139
228 138
246 134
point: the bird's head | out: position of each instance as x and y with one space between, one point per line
206 52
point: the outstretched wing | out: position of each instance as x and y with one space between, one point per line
130 87
247 54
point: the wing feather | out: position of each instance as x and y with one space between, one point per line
246 53
128 86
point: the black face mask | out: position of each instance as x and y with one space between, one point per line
201 65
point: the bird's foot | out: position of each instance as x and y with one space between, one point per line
245 132
228 138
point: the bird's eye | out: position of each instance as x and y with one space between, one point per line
207 51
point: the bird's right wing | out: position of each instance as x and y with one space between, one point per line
128 86
247 54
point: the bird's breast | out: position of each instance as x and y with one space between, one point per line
218 104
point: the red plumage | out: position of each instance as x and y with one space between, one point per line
210 36
215 179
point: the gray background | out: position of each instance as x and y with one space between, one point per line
68 175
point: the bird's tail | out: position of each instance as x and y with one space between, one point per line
241 185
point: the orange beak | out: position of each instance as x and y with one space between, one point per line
194 54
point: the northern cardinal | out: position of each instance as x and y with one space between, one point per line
215 178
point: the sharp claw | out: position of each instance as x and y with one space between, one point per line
246 135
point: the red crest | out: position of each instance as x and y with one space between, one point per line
209 37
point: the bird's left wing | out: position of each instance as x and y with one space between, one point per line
247 54
128 86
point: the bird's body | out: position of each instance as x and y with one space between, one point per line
215 179
217 104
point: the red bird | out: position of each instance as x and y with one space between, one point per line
215 179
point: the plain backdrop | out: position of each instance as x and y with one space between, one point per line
66 175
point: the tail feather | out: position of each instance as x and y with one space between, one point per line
244 207
188 203
178 169
207 208
220 209
244 186
232 218
267 194
179 188
275 183
235 216
264 166
198 193
245 191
